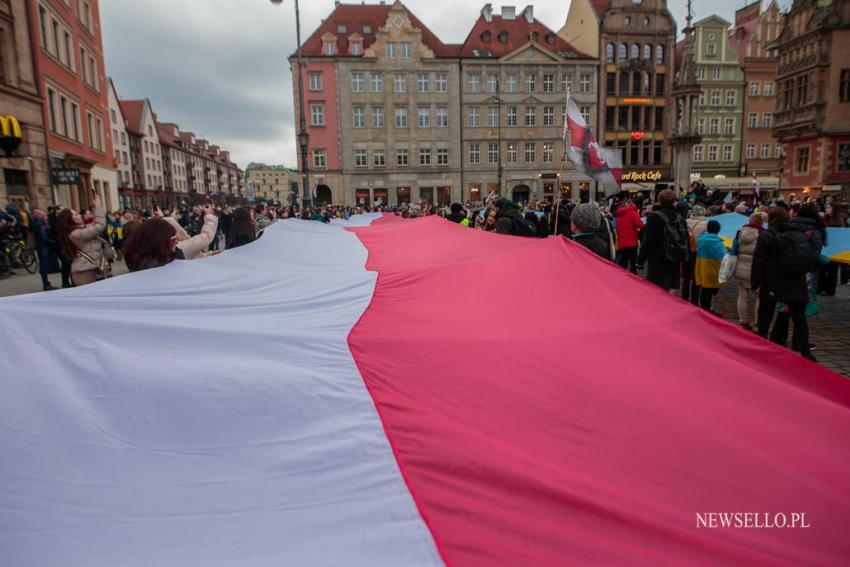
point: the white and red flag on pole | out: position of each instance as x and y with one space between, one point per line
603 164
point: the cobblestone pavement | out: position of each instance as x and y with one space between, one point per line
829 331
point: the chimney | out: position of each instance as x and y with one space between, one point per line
487 12
508 13
528 13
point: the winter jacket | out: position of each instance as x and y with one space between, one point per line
45 247
697 226
87 240
593 242
744 247
628 225
767 275
659 271
815 238
192 247
262 222
509 220
710 252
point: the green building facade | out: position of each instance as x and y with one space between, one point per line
720 111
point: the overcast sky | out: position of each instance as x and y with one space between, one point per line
218 67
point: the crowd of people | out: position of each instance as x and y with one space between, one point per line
775 259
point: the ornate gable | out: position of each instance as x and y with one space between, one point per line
531 52
398 29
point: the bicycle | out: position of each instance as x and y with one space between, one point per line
18 256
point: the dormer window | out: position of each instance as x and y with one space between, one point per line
550 38
535 36
341 29
356 48
330 48
486 37
503 37
367 29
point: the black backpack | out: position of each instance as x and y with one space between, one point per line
674 238
523 227
795 253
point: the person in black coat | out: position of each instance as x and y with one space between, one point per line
45 247
586 220
773 285
508 218
662 272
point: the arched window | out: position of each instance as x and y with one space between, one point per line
486 37
647 52
503 37
621 52
609 53
659 54
635 54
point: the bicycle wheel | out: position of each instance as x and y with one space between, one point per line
30 261
5 265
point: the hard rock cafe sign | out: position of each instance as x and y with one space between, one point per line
635 176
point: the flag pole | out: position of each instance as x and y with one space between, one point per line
563 159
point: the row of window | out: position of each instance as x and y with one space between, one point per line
529 82
633 53
727 151
64 116
716 73
714 126
424 115
631 118
635 153
440 82
766 120
399 81
717 96
57 41
637 83
756 90
426 157
765 151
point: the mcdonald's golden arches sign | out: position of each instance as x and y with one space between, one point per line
10 134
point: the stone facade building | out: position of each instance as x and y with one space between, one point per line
396 115
515 74
386 96
752 35
169 167
637 43
277 184
813 82
68 46
120 143
23 154
720 109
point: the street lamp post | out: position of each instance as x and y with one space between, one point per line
303 136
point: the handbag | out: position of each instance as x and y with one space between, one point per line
727 268
104 268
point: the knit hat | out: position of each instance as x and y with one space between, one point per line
586 216
713 227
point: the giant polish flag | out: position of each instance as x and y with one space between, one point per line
584 152
408 393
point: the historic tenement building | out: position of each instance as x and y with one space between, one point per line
515 73
67 42
395 115
813 86
753 33
720 109
23 154
637 42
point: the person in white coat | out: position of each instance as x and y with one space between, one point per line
194 246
